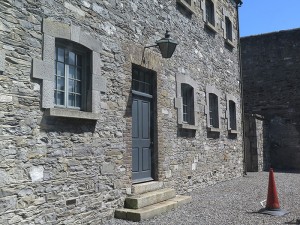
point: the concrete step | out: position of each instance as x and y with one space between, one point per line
149 198
151 210
146 187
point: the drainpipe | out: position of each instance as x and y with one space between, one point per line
239 4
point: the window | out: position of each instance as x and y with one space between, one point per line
210 12
71 75
186 102
70 71
188 5
228 26
142 81
232 115
213 111
187 94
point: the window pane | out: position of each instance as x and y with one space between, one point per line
60 71
72 71
71 85
60 98
71 58
60 54
77 87
78 101
60 84
79 60
78 74
71 100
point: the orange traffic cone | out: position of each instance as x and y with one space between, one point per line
272 207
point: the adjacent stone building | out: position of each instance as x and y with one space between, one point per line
86 110
271 67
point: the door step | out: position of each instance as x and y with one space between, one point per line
148 200
151 210
146 187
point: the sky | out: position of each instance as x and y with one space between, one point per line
265 16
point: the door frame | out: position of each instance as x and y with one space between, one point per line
153 129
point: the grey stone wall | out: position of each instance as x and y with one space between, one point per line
57 170
271 65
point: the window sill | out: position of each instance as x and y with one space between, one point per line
229 43
69 113
188 126
214 129
190 8
233 131
211 27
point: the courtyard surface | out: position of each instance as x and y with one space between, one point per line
235 202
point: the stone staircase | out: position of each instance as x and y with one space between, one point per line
148 200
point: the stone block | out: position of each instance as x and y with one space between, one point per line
56 29
48 94
36 173
74 9
75 33
8 203
49 49
99 83
96 63
96 101
107 168
2 62
44 70
87 40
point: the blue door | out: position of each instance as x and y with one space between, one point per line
142 127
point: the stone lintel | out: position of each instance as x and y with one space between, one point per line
86 40
56 29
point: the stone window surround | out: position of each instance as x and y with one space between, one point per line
227 41
212 27
230 97
185 79
45 69
190 7
2 62
212 89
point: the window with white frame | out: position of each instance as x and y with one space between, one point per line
71 75
187 94
228 27
210 12
213 110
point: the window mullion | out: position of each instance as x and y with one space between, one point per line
66 85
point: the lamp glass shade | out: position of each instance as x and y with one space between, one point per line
166 46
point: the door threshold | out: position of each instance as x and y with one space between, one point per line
143 180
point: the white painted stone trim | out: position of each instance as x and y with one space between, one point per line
45 69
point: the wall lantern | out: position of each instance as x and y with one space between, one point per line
166 46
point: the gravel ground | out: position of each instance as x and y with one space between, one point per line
234 202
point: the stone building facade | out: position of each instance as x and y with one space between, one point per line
75 84
271 65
